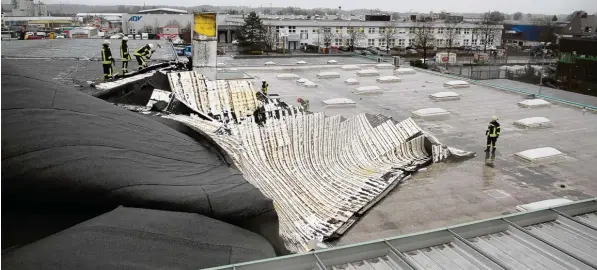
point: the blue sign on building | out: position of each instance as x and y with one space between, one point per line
135 18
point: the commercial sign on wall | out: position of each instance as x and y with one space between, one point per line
204 25
135 18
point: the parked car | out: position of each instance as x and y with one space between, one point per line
235 42
382 48
59 36
117 36
137 36
411 51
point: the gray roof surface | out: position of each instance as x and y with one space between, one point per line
451 193
563 237
76 48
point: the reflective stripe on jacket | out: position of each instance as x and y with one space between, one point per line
124 52
143 51
493 130
106 55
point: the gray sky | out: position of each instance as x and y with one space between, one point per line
508 6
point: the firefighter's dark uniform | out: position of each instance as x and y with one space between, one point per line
107 61
493 133
264 86
125 56
144 51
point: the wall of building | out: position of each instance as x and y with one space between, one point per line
306 32
136 23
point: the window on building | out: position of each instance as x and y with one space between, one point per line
411 42
382 30
371 30
327 30
474 42
337 42
339 29
456 43
401 30
349 29
278 29
401 43
370 42
465 42
392 43
361 30
291 29
412 30
381 42
440 30
304 34
315 30
348 42
440 42
482 42
467 31
132 31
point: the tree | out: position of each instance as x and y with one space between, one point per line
451 32
270 38
155 26
517 16
488 29
554 18
423 35
549 29
494 16
389 32
174 23
355 35
327 37
252 32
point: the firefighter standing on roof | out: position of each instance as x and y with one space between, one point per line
143 52
107 60
492 133
125 55
264 86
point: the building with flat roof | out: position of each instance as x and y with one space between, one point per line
310 32
163 11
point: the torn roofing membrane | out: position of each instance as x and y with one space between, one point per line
323 173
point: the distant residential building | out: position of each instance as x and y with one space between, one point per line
581 25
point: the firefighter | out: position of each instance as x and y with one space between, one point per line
492 133
144 52
304 103
264 86
125 55
107 60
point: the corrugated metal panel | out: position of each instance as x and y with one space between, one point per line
562 237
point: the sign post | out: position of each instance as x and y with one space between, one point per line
204 44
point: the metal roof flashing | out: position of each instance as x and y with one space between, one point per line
534 239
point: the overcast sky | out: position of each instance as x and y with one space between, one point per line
508 6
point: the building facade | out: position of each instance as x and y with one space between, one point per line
152 23
577 64
297 33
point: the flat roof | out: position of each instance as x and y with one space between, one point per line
530 240
163 9
452 193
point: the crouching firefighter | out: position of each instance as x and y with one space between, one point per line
143 52
107 60
264 86
492 133
125 55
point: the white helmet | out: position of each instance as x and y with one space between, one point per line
106 42
151 46
125 38
494 118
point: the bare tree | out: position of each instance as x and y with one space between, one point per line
271 37
173 23
156 26
517 16
389 32
354 35
549 29
326 36
451 33
488 30
423 35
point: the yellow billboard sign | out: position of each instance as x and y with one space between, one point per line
204 25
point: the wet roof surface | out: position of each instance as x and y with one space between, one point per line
76 48
452 193
255 62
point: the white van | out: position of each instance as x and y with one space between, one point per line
144 36
131 36
137 36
